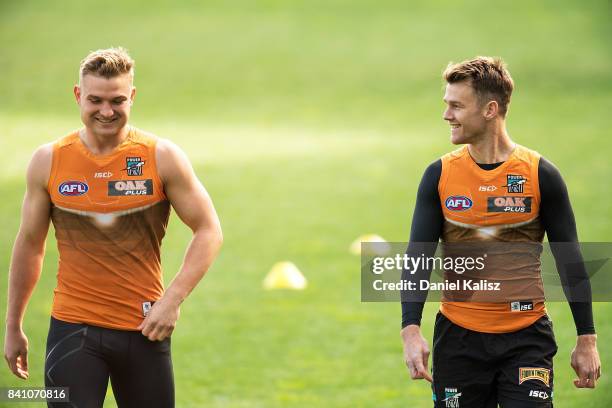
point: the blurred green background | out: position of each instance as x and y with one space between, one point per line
310 123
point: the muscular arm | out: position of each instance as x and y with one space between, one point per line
425 232
560 225
194 207
27 258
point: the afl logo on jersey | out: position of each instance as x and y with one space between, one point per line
73 188
458 203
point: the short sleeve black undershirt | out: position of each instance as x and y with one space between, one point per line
557 218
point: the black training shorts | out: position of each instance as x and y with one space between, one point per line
479 370
83 358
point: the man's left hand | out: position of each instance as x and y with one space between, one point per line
585 361
161 320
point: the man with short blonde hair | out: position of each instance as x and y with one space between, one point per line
108 188
107 63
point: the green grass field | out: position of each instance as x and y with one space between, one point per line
310 123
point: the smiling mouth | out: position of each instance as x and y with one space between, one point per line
106 120
454 126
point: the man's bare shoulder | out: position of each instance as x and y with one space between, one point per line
39 168
171 160
168 149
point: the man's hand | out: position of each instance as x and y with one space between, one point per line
16 352
585 361
416 352
161 320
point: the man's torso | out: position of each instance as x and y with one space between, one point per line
110 214
493 212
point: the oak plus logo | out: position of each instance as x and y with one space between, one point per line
73 188
130 187
509 204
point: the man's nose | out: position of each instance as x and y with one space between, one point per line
447 114
106 110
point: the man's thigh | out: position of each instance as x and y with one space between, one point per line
72 361
143 377
462 375
526 377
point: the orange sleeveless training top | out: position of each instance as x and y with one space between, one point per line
110 215
499 210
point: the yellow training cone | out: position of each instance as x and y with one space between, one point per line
284 275
380 249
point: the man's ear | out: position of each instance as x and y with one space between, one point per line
491 110
132 95
77 93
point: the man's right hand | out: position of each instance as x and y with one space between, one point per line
16 352
416 352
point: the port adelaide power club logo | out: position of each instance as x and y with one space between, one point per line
133 166
515 183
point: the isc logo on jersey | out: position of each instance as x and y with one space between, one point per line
130 187
458 203
73 188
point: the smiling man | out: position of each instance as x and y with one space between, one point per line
494 191
108 189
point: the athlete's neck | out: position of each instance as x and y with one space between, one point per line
103 144
495 147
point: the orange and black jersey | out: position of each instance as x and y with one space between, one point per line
545 208
110 214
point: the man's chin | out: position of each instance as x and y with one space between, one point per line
457 139
106 130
